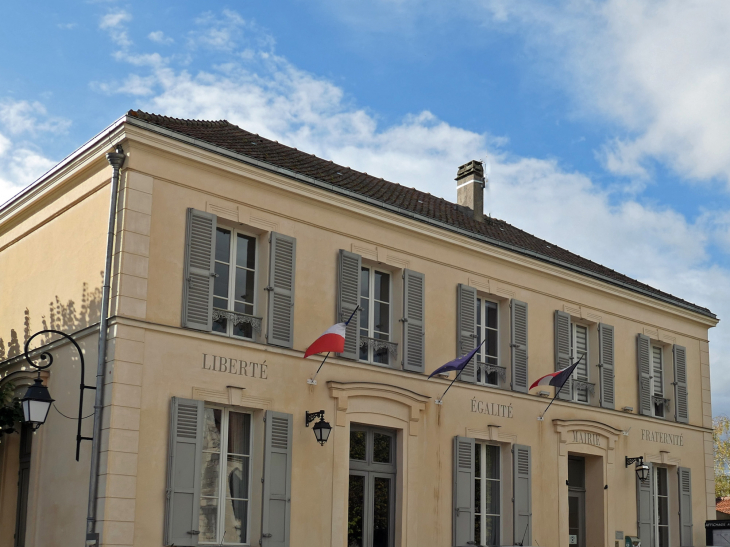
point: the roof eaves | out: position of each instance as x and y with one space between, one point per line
403 212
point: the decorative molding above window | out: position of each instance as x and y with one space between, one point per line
378 344
237 318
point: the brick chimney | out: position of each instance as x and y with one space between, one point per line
470 184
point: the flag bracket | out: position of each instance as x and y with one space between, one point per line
438 402
311 381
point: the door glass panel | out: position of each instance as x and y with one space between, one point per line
381 512
573 516
381 448
491 529
357 445
576 473
356 511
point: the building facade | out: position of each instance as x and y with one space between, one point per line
232 254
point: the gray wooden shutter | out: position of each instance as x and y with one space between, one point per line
681 410
605 351
518 344
562 351
276 507
182 504
466 329
643 360
282 261
644 509
463 494
348 298
522 491
199 270
685 507
414 295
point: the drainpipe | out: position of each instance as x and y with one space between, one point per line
116 160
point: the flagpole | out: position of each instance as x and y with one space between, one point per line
540 418
313 380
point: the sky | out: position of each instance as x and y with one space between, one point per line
604 125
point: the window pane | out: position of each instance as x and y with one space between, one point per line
365 282
492 461
220 285
658 372
236 521
661 483
576 474
382 287
491 528
357 445
479 312
355 511
381 448
364 315
380 356
663 510
243 330
212 429
237 477
491 313
477 460
490 346
244 285
246 251
208 520
477 496
491 498
663 536
382 317
239 433
477 529
381 513
222 245
209 474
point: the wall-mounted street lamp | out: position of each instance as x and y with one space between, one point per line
642 470
37 400
321 429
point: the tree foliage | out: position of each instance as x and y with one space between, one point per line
721 438
11 411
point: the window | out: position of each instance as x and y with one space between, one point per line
234 288
657 391
225 488
375 314
488 495
661 507
488 330
579 341
371 496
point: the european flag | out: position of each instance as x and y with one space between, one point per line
459 363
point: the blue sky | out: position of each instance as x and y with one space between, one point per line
604 122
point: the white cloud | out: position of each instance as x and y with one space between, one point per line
28 117
159 37
114 23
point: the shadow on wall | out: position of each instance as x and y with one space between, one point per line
63 317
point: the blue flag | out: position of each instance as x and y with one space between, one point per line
459 363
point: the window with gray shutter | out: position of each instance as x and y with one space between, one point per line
197 309
182 503
414 295
276 506
562 351
681 410
643 361
280 320
522 490
685 507
348 297
466 329
518 344
605 352
644 508
463 494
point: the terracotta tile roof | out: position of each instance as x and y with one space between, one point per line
231 137
723 505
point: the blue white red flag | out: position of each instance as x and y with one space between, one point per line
457 364
556 379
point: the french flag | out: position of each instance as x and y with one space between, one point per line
333 339
556 379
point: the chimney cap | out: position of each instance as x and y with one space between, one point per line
474 167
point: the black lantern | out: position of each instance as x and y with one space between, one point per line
321 429
642 470
36 404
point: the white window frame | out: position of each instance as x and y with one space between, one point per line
371 311
481 333
655 503
483 493
654 380
232 279
574 352
220 519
